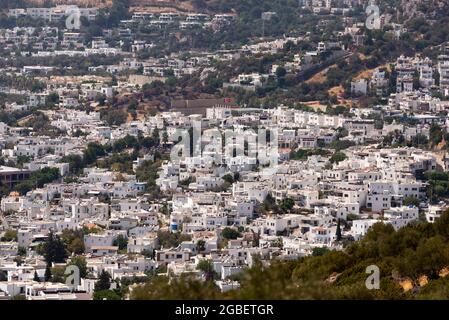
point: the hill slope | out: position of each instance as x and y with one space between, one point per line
413 264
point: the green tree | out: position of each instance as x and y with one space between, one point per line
228 178
169 239
47 275
121 242
338 232
106 295
54 249
269 204
436 134
38 179
74 240
413 251
411 201
103 282
185 287
338 157
200 246
81 263
75 163
319 251
280 74
58 274
115 117
165 136
287 204
156 135
207 267
21 251
76 246
230 234
9 235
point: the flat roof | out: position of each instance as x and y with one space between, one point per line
4 169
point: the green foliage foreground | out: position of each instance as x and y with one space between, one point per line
421 249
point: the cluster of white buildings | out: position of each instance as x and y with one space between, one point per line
265 184
54 13
412 74
180 20
369 186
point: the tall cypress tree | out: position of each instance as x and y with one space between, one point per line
338 232
36 277
48 274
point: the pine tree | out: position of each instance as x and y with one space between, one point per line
104 281
54 249
338 232
36 277
48 274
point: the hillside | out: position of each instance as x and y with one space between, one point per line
41 3
413 264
